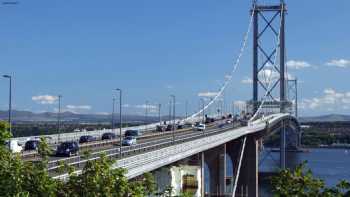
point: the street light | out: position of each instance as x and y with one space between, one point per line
146 114
174 101
186 107
203 113
113 108
160 119
59 118
120 121
10 100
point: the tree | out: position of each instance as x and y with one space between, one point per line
19 178
301 183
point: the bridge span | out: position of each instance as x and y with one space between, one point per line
240 143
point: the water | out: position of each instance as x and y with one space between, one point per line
331 165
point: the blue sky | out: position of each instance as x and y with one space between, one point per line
154 48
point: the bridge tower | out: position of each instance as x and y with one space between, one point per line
269 27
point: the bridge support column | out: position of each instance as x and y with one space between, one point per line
248 178
216 160
233 149
202 174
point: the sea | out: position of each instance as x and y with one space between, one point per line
331 165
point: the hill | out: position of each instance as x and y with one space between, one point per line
27 116
326 118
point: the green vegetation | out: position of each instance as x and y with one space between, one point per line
301 183
23 179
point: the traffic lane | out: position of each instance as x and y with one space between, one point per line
142 139
145 143
131 152
99 150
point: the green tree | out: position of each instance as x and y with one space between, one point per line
301 183
20 178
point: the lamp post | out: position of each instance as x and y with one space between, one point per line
203 112
169 112
120 121
10 101
59 118
160 119
173 127
186 107
113 108
146 114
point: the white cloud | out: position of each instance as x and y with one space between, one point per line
331 99
239 103
103 113
126 105
247 80
78 107
169 87
340 63
265 76
268 74
144 106
207 94
294 64
228 77
45 99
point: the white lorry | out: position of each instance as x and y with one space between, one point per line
13 146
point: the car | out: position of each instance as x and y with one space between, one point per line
128 141
160 128
187 125
221 125
180 126
199 127
134 133
169 127
13 146
108 136
86 138
68 149
209 120
31 145
228 121
243 122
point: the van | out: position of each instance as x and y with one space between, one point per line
13 146
133 133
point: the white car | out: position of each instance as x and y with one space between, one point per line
129 140
199 127
13 146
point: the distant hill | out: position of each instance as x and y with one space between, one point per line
326 118
27 116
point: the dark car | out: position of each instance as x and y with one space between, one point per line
86 138
67 149
133 133
31 145
180 126
108 136
169 127
243 122
160 128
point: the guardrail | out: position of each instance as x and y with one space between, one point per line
150 160
101 143
57 138
126 150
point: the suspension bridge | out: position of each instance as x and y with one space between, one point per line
240 140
